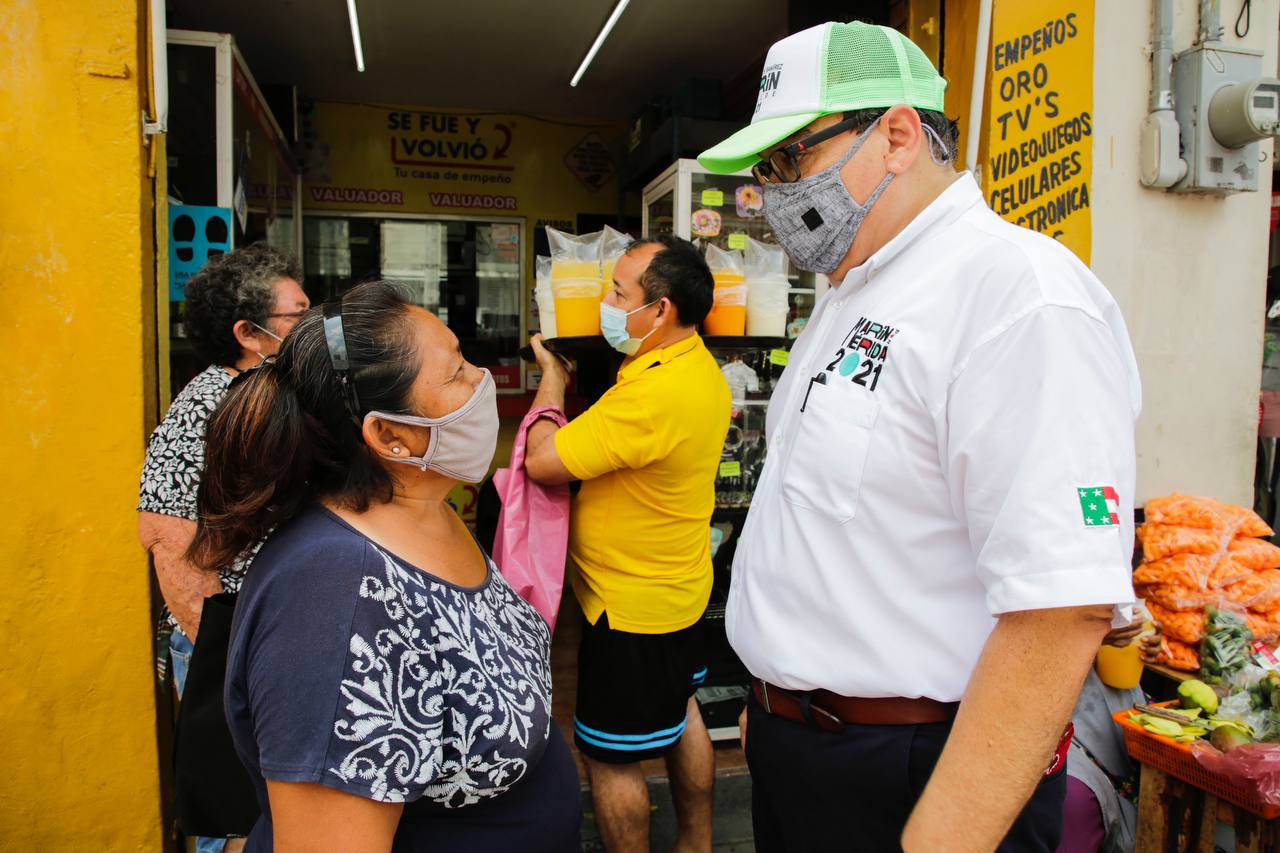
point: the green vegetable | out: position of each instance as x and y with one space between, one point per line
1226 645
1160 726
1227 738
1197 695
1214 725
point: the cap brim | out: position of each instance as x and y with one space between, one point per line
743 148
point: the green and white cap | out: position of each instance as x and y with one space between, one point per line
825 69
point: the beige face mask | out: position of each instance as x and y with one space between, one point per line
462 442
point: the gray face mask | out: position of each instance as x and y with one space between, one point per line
815 219
463 441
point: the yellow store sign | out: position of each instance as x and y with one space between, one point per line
1040 132
398 159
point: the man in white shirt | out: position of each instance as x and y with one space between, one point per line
941 535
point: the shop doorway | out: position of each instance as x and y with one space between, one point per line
467 271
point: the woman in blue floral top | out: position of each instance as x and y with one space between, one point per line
386 688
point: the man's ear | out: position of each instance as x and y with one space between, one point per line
390 439
906 137
667 313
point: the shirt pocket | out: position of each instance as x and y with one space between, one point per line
825 467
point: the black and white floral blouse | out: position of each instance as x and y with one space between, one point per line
173 467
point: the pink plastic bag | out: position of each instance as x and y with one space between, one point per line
533 527
1254 767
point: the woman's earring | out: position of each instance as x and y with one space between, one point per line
396 451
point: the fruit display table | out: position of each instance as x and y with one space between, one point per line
1177 815
1180 803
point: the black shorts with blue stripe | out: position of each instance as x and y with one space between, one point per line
634 689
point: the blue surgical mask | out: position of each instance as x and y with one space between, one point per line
613 325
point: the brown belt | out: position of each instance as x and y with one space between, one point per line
831 711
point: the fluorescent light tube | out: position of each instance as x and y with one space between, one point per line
604 34
355 34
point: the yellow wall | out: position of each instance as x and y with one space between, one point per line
959 42
76 698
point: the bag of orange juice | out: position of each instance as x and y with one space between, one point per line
729 308
575 282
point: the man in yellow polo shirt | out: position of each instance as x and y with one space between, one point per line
647 453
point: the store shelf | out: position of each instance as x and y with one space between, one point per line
572 347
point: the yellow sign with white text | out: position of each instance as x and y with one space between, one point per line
1040 134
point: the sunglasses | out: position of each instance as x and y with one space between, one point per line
783 165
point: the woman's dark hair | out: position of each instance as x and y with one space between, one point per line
284 435
680 273
229 288
948 131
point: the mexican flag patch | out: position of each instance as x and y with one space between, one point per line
1100 506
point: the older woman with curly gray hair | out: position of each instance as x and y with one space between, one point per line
239 308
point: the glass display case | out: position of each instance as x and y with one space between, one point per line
721 210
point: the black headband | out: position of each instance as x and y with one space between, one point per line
336 341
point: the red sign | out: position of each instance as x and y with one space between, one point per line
470 201
361 195
505 375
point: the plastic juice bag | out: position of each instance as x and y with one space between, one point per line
729 309
575 282
1121 666
613 244
767 288
542 295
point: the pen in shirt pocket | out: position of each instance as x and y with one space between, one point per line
821 379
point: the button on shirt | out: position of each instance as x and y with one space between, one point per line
953 439
647 453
